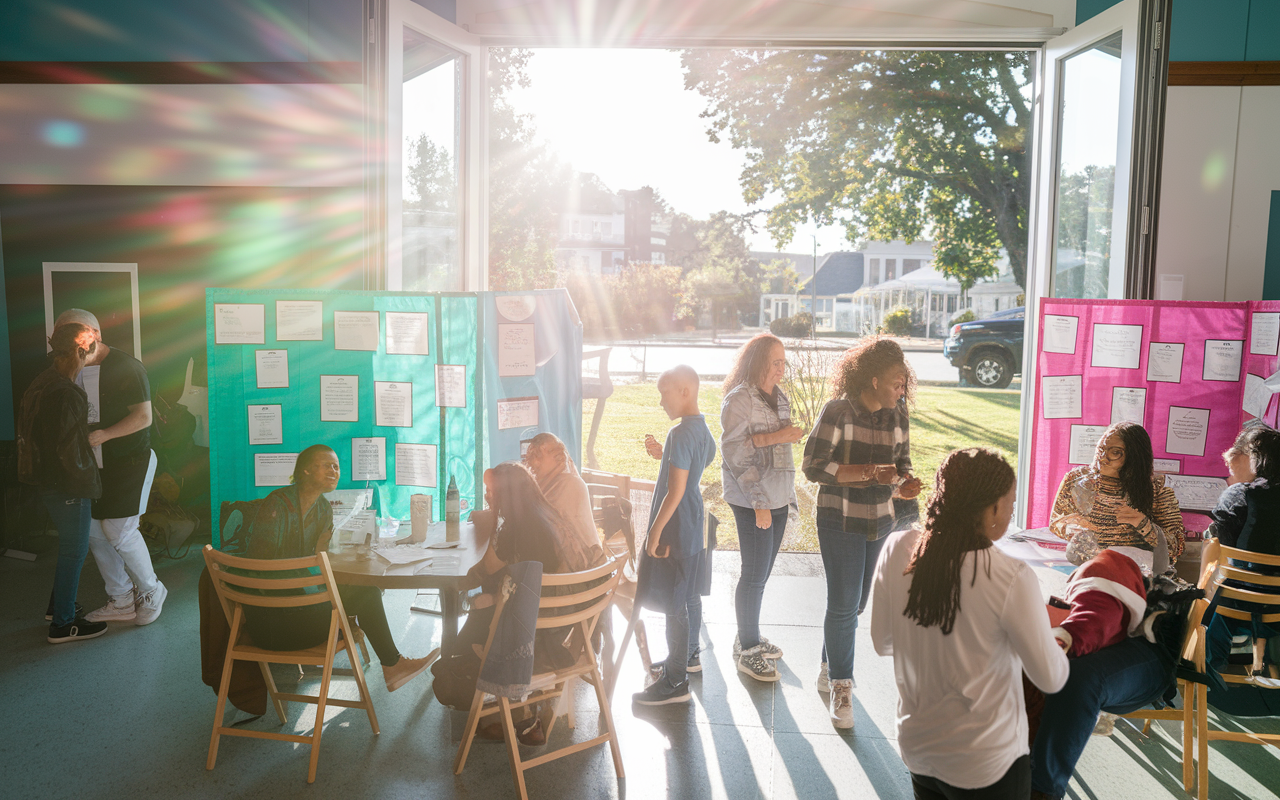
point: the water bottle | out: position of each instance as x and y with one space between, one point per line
452 510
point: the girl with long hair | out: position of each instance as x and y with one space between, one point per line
963 621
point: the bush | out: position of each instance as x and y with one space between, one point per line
794 326
897 321
964 316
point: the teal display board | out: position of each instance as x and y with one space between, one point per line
379 410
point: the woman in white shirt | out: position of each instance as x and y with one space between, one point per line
963 621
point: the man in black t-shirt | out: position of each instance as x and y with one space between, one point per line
120 425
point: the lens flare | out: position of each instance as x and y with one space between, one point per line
63 133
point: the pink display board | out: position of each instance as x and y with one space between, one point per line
1179 368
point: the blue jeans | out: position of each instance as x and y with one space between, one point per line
685 623
849 560
1121 678
71 517
759 548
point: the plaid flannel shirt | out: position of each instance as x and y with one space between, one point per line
847 433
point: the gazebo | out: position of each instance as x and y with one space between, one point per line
931 296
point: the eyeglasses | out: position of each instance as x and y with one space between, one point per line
1111 453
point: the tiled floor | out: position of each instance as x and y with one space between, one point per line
126 716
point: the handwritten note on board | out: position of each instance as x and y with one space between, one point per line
516 350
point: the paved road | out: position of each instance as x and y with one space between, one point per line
639 359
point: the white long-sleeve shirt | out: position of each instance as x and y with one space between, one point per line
961 714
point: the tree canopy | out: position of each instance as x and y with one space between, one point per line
890 144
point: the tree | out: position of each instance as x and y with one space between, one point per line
887 143
433 179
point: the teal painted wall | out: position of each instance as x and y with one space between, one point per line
1264 31
1088 9
1213 30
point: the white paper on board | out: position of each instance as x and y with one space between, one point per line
415 464
1164 362
1166 465
266 425
1188 430
1062 396
1194 492
273 469
1060 333
1128 404
1118 346
1264 337
451 385
1170 288
239 323
516 308
272 368
1257 396
369 459
1084 443
299 320
393 404
515 350
339 398
408 333
1222 359
517 412
355 330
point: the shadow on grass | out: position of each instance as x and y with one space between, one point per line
960 430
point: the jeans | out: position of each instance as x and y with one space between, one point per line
71 517
1015 785
685 623
759 548
122 556
1121 678
849 560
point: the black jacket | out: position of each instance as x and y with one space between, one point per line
53 437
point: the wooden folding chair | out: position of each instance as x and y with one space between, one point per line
235 592
589 593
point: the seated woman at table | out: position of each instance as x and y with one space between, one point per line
1246 513
296 521
1118 500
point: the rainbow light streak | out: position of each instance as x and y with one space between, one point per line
62 133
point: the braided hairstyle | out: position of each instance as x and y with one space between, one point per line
871 357
967 482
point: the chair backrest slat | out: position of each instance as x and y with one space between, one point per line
574 617
1259 598
569 578
1249 555
228 585
1242 574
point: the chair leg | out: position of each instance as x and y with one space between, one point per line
273 692
591 438
220 709
513 747
468 733
359 634
1202 731
1188 735
1146 728
607 713
330 651
362 686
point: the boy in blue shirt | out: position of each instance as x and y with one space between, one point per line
676 524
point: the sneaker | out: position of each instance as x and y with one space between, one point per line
841 706
75 631
149 605
695 662
1106 724
753 662
771 651
48 614
116 610
662 693
824 682
403 671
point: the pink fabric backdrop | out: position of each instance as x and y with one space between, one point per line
1187 323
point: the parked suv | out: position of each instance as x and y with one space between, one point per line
988 351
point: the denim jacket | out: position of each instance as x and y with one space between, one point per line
755 477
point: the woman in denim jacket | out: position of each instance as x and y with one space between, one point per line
759 485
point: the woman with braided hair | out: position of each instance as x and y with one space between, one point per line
963 621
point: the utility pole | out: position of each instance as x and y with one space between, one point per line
813 286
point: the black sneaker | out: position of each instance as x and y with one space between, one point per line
48 615
695 662
79 629
662 693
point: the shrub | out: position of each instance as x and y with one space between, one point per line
897 321
964 316
794 326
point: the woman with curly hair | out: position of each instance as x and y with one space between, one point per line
963 622
860 455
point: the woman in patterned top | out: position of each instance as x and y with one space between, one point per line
1118 501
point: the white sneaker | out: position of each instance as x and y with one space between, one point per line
149 604
117 609
824 682
1106 724
771 651
841 705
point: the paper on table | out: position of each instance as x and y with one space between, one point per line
369 459
415 465
441 565
1196 492
346 502
517 412
239 323
1166 465
393 404
451 385
1222 358
1084 443
339 398
1062 395
1188 429
1128 404
1257 396
273 469
408 333
359 525
402 554
516 350
1117 346
266 425
299 320
1164 362
1060 333
1264 337
355 330
272 368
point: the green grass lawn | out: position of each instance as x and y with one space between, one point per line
945 419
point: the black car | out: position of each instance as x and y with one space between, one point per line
988 351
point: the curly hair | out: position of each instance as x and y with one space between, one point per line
967 482
1139 466
870 358
751 363
1263 446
